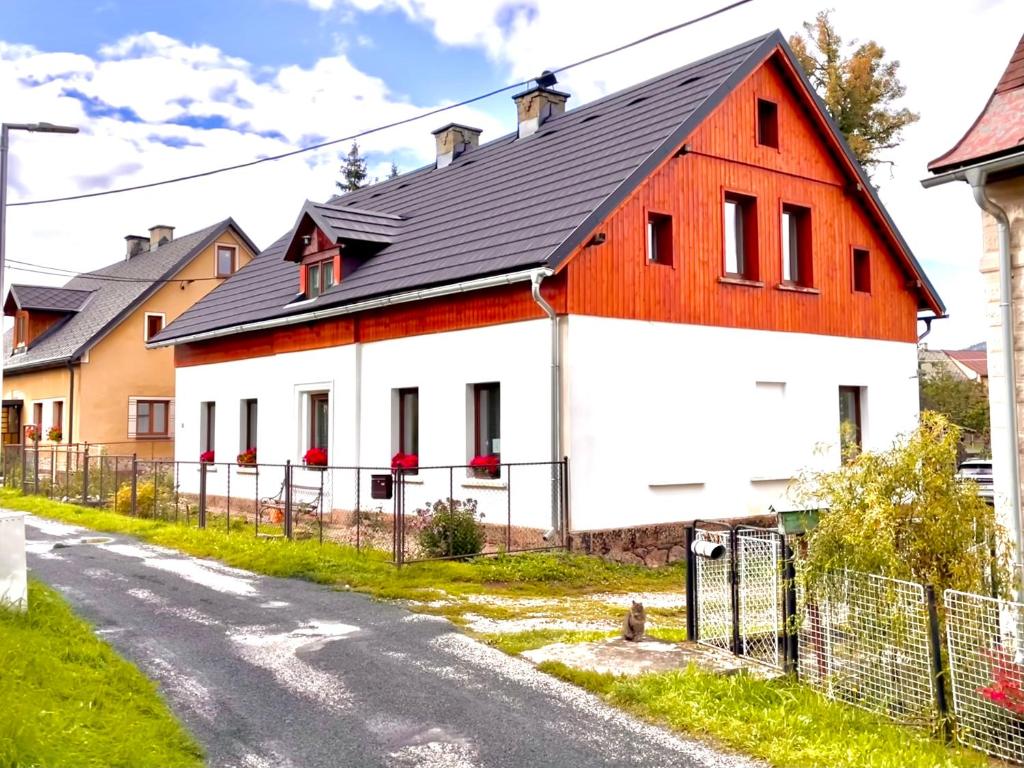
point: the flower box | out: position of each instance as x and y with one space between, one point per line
315 457
55 435
247 458
206 457
485 467
409 462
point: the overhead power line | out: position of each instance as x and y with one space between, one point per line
40 269
394 124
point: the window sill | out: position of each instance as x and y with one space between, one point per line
772 477
413 479
152 437
797 288
496 484
210 470
245 469
684 483
735 280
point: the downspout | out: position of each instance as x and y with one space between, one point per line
977 178
71 403
536 278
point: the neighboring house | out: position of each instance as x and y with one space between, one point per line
78 359
990 158
725 285
969 364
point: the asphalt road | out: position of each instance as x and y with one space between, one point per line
281 673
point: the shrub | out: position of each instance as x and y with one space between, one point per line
145 499
904 514
453 531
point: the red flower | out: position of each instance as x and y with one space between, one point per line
247 457
404 461
206 457
315 457
1007 687
490 462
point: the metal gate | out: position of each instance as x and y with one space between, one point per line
760 593
714 592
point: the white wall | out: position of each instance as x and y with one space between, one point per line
664 426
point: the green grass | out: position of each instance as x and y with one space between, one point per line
543 574
781 721
66 699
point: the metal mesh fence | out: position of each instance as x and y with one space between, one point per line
760 593
863 639
714 604
986 660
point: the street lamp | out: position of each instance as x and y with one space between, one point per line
5 129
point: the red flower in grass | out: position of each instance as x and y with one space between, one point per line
206 457
315 457
405 461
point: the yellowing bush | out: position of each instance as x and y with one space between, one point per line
145 499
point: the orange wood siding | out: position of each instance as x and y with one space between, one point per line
39 322
615 280
477 309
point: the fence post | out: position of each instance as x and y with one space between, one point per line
24 468
322 503
790 636
203 465
35 468
565 502
938 673
508 499
53 468
85 476
135 485
691 584
288 498
359 512
734 581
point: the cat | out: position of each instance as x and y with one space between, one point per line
633 624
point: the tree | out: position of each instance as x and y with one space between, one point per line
857 85
961 400
353 170
902 513
393 173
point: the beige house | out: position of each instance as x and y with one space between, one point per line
990 158
78 362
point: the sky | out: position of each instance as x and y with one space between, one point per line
162 89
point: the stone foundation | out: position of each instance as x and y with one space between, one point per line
650 545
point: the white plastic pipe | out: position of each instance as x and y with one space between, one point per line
13 568
712 550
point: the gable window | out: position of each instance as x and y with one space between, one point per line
319 414
740 234
227 260
796 246
486 431
207 426
247 434
862 270
154 324
319 277
767 123
850 422
659 238
21 328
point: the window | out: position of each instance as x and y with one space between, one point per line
850 424
319 412
226 260
21 329
207 426
319 277
659 238
154 324
767 123
861 270
740 231
796 246
37 415
409 421
487 420
248 432
57 415
151 418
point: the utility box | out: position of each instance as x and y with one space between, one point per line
382 486
13 568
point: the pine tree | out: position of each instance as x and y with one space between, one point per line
394 170
353 170
858 87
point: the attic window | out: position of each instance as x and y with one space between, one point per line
659 238
767 123
861 270
637 100
319 277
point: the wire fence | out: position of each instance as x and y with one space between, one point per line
760 598
408 513
985 638
714 608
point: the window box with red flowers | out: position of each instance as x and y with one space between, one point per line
54 435
32 433
315 458
206 457
408 462
247 458
485 467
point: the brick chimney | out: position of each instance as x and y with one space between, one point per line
159 235
454 140
136 244
536 106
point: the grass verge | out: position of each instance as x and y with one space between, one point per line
69 700
547 574
780 721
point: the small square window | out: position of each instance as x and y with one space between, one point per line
659 239
767 123
740 235
151 418
797 266
226 262
862 270
154 324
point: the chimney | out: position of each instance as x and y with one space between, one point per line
136 244
453 140
535 106
159 235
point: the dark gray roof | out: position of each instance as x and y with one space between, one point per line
48 298
348 223
114 291
510 204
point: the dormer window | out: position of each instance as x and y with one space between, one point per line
319 277
21 329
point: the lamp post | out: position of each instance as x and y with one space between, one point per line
5 129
